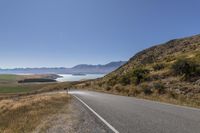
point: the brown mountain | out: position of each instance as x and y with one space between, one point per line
167 72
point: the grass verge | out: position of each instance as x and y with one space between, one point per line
26 113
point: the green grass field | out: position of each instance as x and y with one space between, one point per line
9 77
14 89
9 84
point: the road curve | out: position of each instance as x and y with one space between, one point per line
132 115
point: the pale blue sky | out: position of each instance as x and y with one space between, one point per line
53 33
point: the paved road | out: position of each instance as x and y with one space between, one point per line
131 115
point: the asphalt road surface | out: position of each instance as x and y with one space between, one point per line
132 115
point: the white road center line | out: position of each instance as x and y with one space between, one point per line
102 119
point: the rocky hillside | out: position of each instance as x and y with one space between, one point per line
168 72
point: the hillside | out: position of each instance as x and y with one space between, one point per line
79 69
167 72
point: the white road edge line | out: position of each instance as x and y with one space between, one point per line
102 119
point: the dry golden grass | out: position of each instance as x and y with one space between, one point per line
26 113
159 61
30 89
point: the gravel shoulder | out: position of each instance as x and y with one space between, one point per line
74 117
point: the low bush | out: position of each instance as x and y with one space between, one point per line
170 58
139 75
159 87
134 92
118 88
146 89
186 68
87 84
158 67
124 80
172 94
108 88
112 80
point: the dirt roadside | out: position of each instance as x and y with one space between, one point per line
54 112
72 118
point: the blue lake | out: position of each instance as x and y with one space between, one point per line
69 77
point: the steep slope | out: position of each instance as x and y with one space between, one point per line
169 51
168 72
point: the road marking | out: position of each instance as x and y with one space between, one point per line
102 119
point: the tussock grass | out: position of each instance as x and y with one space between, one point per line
26 113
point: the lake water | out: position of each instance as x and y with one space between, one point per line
69 77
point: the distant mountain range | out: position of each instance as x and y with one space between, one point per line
79 69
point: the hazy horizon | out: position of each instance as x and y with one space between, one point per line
52 33
59 66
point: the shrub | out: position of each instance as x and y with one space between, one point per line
185 67
124 79
146 89
108 88
126 91
158 67
100 84
159 87
118 88
172 94
112 81
170 58
133 91
139 75
87 84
